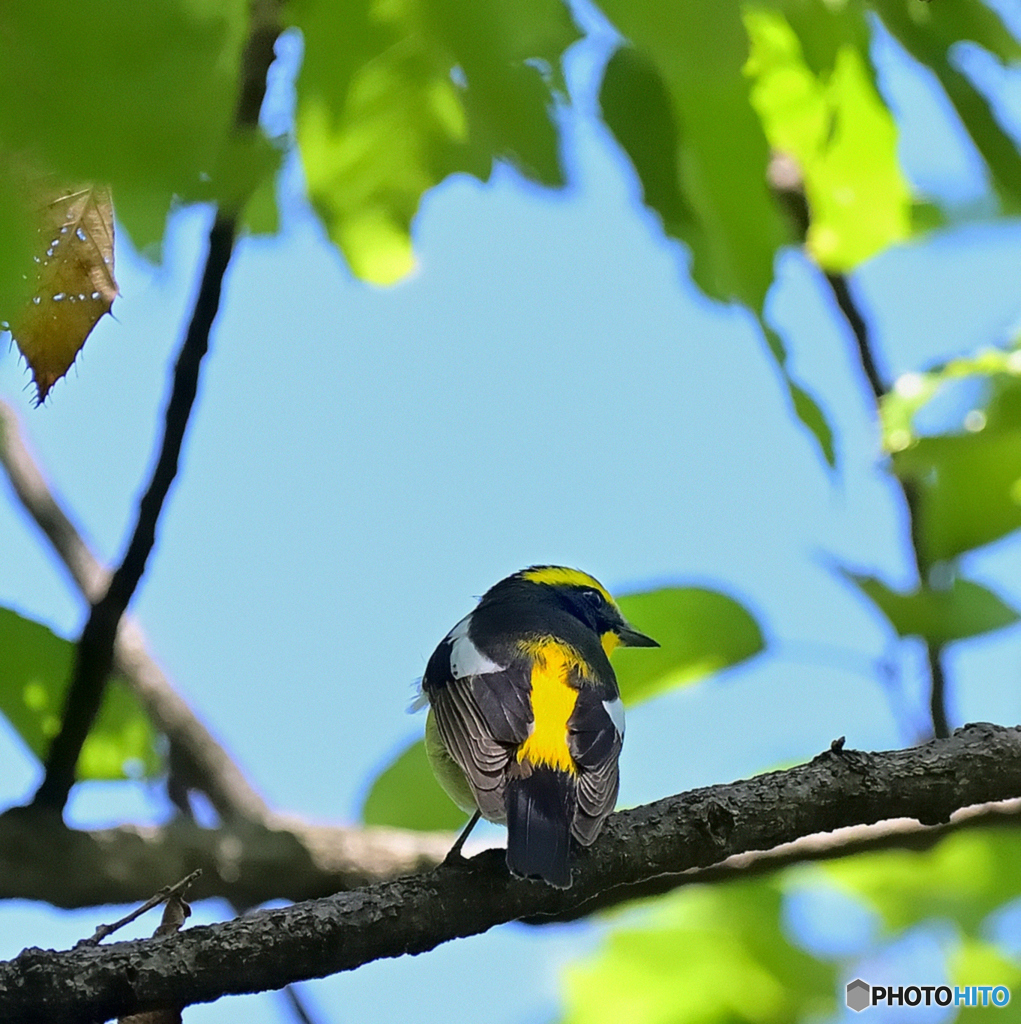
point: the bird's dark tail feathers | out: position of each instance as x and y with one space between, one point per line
540 809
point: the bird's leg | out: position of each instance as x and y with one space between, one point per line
455 851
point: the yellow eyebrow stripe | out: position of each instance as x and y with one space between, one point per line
553 700
558 575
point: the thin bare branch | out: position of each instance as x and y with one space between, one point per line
35 495
105 930
848 305
94 654
217 774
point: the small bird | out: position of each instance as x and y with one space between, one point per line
525 721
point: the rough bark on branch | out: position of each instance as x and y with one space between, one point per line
272 948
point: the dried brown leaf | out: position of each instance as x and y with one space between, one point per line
175 913
74 283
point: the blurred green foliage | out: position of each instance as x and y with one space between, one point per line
35 666
393 97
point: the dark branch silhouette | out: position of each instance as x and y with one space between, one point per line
94 653
273 948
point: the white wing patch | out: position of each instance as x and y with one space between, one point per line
465 658
615 709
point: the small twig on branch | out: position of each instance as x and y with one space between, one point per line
272 948
177 889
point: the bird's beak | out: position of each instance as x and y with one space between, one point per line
630 637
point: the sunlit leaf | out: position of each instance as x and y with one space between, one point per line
700 632
963 878
824 30
842 136
704 954
912 392
393 98
966 485
941 616
71 280
978 962
35 666
406 795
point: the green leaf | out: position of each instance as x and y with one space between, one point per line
968 489
407 795
18 229
967 485
963 878
806 408
812 416
261 215
703 954
683 81
825 30
964 609
35 666
840 132
928 35
700 632
137 96
977 962
395 97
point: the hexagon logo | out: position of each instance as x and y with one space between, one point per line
858 995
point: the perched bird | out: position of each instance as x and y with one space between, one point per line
525 722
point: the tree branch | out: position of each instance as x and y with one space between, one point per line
34 493
785 178
218 776
94 654
246 865
272 948
859 328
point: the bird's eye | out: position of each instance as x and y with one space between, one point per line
593 597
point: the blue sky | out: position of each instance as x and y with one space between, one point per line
547 387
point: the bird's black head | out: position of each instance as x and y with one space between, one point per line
588 600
